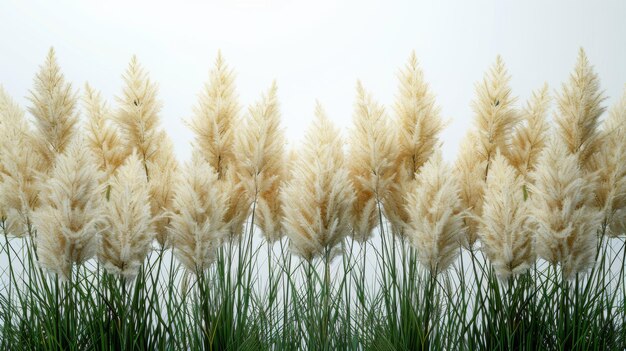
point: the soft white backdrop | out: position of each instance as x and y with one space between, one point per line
314 49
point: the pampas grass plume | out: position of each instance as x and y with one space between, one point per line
495 113
563 211
214 117
138 114
213 122
259 149
197 226
372 154
54 110
419 118
470 171
70 214
505 230
102 135
317 200
579 110
610 165
495 118
163 176
529 137
20 165
418 127
436 225
130 229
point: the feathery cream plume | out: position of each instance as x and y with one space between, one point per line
269 211
70 213
214 117
563 211
10 114
103 137
495 114
419 119
196 226
54 108
436 226
418 126
213 121
505 230
610 165
237 203
20 165
259 150
470 171
529 138
580 108
130 230
495 118
317 200
164 168
372 154
138 114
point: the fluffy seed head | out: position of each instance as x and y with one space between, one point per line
436 225
372 155
164 168
138 114
418 126
562 209
529 137
70 214
495 114
317 200
196 225
419 119
505 231
579 110
237 204
19 166
54 110
470 172
259 150
610 165
130 230
214 117
495 118
103 137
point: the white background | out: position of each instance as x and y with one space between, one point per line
314 49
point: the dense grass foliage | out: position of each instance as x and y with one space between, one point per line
336 303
